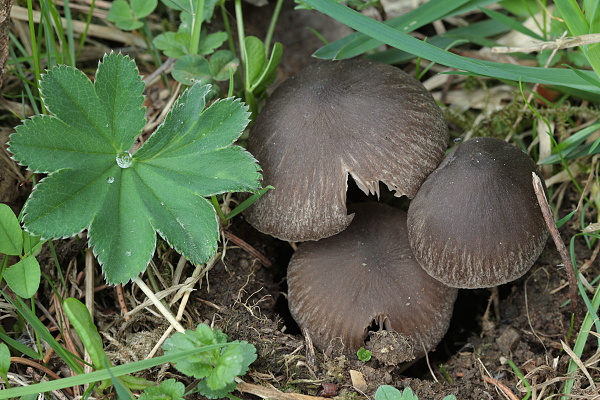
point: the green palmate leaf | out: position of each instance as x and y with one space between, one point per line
11 237
124 199
24 277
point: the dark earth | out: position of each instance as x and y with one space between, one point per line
526 322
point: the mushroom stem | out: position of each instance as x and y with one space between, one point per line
560 245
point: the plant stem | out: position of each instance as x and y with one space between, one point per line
272 24
196 26
562 249
34 52
163 310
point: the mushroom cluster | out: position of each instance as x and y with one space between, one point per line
473 222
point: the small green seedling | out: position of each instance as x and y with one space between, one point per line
127 15
387 392
23 277
217 368
196 68
363 354
97 181
188 40
259 71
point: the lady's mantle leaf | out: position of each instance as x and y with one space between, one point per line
124 199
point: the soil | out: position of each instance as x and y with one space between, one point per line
527 322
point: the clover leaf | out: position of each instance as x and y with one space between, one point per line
123 199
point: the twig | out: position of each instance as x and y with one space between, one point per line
579 363
163 310
562 249
272 393
560 43
89 302
45 370
505 389
122 303
249 249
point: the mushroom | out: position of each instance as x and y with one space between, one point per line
475 221
357 117
366 277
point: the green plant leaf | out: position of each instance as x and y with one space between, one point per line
23 278
123 16
221 62
80 318
211 41
358 43
99 375
363 354
512 23
11 237
4 361
169 389
192 68
551 76
256 58
219 367
123 200
387 392
269 73
143 8
173 44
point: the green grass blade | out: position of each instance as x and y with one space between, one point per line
573 17
471 34
386 34
104 373
511 23
68 357
358 43
428 12
15 344
70 50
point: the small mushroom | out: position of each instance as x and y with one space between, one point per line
367 278
475 221
357 117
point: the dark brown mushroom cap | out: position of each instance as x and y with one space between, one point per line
357 116
476 221
340 286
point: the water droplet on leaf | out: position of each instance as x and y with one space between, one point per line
110 179
124 159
